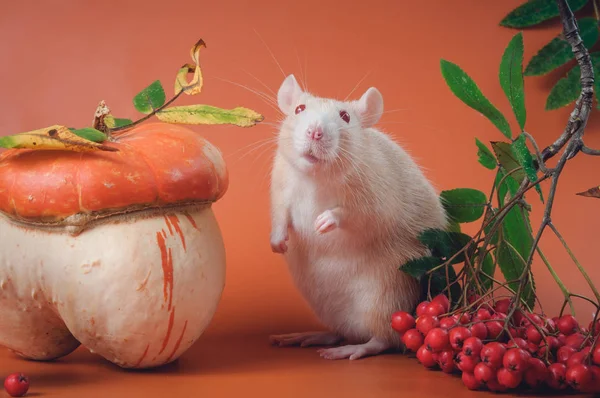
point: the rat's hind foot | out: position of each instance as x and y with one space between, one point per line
305 339
372 347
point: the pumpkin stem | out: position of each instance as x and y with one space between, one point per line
101 112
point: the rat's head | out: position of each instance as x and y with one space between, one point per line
320 133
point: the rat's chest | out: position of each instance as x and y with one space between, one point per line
308 202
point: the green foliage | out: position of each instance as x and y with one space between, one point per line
150 98
534 12
486 158
557 52
512 265
90 133
464 205
463 86
445 244
511 77
525 159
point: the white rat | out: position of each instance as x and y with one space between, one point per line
347 206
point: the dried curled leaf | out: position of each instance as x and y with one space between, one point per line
194 86
207 114
55 137
591 193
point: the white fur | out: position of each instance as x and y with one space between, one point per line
373 193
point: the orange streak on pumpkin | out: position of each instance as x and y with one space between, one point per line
142 357
178 342
169 329
175 222
191 220
168 225
167 266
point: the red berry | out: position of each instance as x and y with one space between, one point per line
464 318
402 321
564 353
437 340
413 339
594 386
427 322
434 309
426 357
483 373
494 329
567 324
550 325
575 340
556 378
466 363
502 306
531 319
446 361
596 355
472 347
517 342
561 339
537 374
458 336
443 300
516 332
492 354
16 384
447 322
470 381
553 343
532 334
509 379
579 376
421 308
575 359
479 330
531 348
516 360
472 298
494 386
483 315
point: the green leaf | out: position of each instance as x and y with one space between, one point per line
512 264
488 267
90 133
511 77
150 98
444 244
206 114
525 158
464 204
533 12
453 226
507 158
568 88
463 87
112 122
487 229
558 52
419 266
440 282
486 158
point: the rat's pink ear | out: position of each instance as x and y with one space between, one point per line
288 94
370 107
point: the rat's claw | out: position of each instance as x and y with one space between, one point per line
279 243
326 221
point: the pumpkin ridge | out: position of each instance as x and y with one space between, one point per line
133 149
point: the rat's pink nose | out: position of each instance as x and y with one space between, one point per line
315 133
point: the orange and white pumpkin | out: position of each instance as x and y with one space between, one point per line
117 251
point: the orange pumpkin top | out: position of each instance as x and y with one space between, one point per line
157 165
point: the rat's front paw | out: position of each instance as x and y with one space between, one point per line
327 221
279 242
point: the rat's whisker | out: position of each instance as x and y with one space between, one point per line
357 84
261 82
270 52
265 97
302 80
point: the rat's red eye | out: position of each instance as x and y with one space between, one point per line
300 108
345 116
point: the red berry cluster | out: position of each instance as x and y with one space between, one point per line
528 351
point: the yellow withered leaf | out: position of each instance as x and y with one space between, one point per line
55 137
194 86
207 114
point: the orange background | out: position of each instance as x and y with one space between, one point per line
59 58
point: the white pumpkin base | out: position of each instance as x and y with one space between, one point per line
138 292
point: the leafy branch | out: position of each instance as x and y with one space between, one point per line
151 102
506 239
